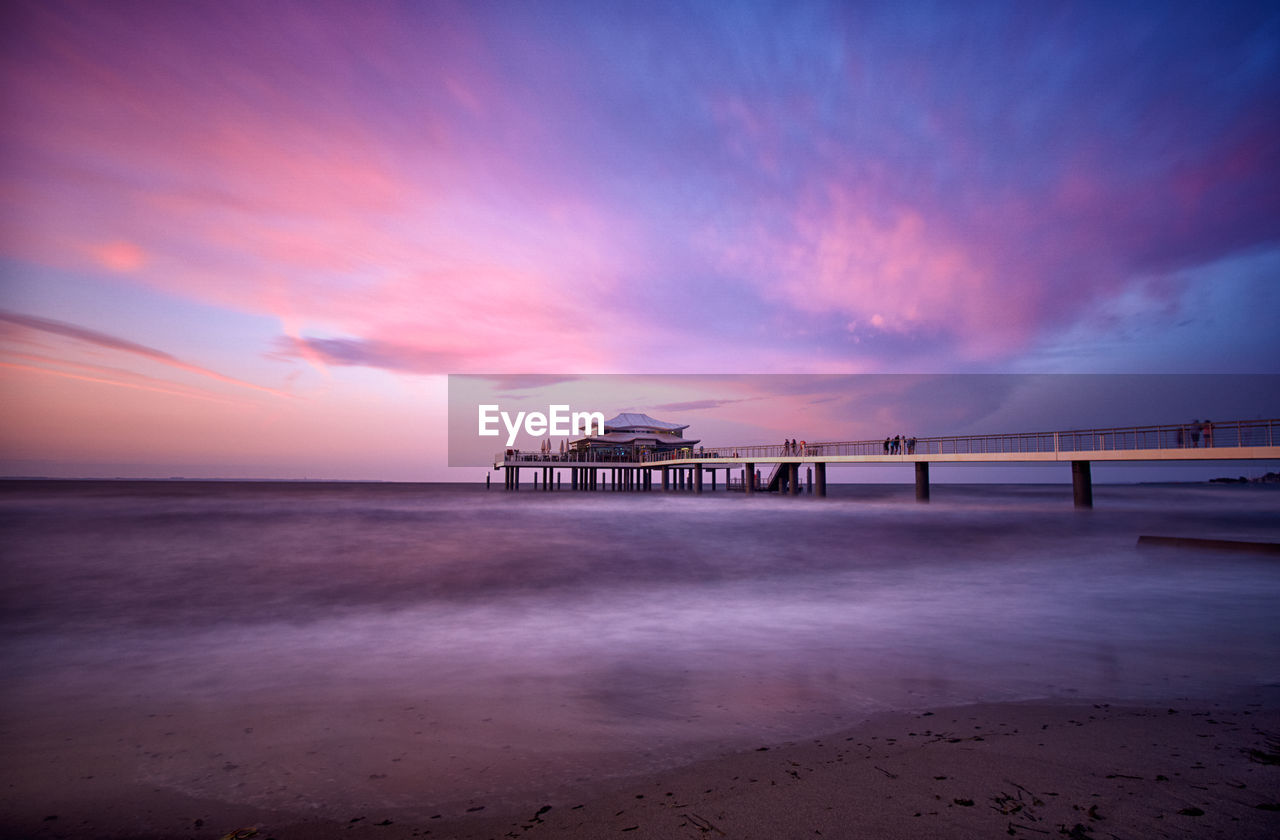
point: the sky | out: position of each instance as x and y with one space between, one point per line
248 239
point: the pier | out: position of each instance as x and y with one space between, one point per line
789 470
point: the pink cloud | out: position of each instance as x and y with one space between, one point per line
884 268
119 256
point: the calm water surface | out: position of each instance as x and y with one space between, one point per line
322 646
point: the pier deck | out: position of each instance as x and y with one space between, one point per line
1244 440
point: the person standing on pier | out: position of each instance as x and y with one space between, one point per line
1208 434
1195 433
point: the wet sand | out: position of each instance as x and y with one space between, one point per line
1015 769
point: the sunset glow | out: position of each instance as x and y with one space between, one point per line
251 239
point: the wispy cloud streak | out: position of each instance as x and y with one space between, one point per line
111 342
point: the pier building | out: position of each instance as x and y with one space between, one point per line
633 437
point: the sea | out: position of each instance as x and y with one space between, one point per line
327 647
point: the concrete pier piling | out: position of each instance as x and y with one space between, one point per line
922 481
1082 484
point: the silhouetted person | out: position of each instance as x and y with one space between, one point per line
1195 433
886 446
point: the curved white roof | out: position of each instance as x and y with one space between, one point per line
631 420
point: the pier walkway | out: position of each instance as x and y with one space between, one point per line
688 468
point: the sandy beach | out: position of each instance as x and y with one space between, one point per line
1012 769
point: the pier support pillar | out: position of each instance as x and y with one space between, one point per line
820 470
592 477
793 477
515 478
697 480
666 479
713 479
1082 484
922 481
748 480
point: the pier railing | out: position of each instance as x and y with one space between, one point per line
1237 433
570 458
1130 438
